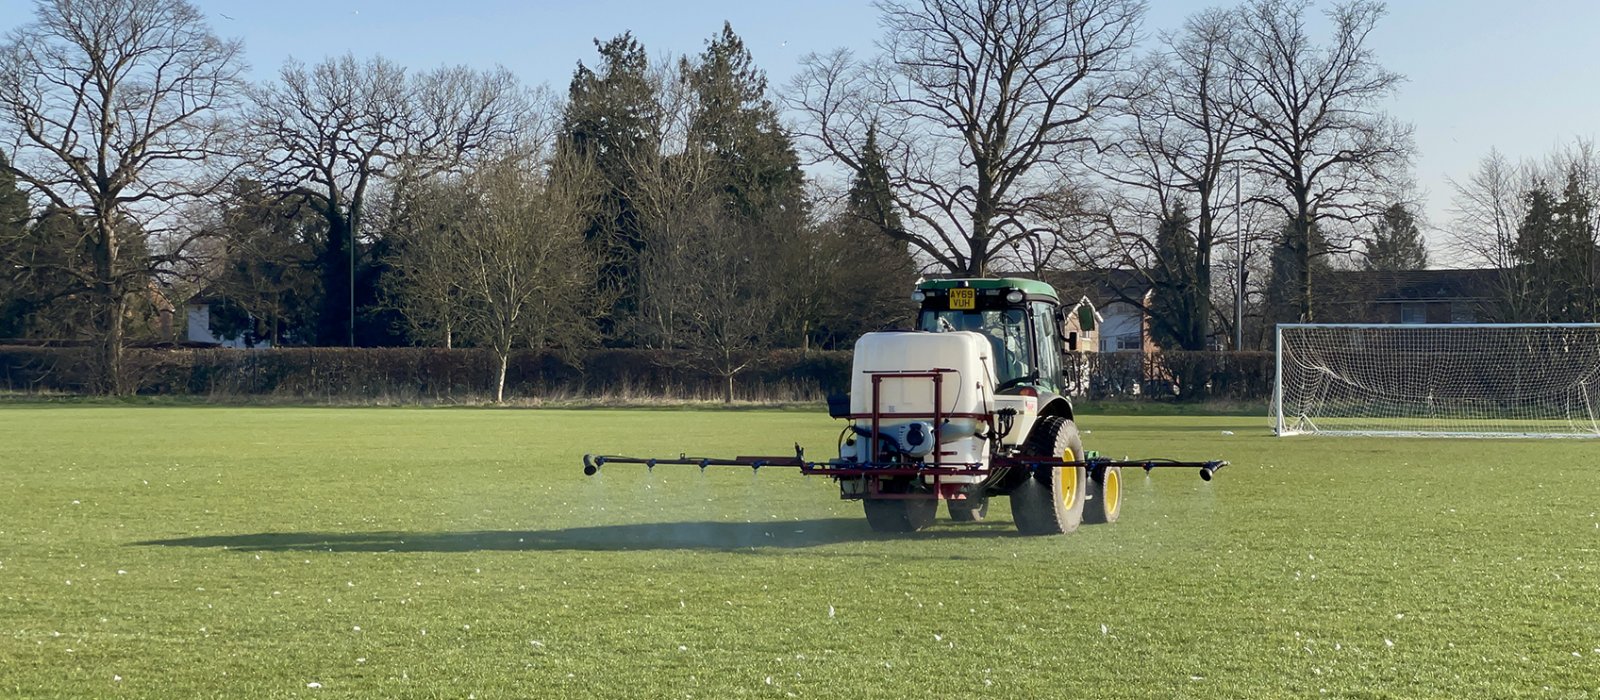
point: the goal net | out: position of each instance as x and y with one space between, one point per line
1452 380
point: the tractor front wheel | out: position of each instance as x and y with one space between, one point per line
972 510
1105 497
1050 501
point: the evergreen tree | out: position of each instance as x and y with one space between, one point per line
1396 242
49 261
269 286
1285 292
1576 273
1177 317
1554 276
869 271
738 125
13 230
870 199
612 116
1534 255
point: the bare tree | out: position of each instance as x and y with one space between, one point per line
1488 207
978 107
1491 203
331 133
1314 123
706 290
1174 160
1495 218
115 110
425 227
513 255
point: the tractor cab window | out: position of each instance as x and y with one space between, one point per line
1007 330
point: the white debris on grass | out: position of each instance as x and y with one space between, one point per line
313 684
1389 643
1227 432
116 678
1104 629
830 614
121 572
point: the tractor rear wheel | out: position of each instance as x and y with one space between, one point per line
972 510
1105 497
1050 501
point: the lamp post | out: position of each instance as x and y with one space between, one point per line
1238 233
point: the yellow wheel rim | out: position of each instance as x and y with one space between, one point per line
1111 490
1068 479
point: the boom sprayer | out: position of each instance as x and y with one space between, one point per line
966 407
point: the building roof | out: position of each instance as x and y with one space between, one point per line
1100 286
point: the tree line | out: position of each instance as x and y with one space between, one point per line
683 203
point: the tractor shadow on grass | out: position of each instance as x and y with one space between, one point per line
723 536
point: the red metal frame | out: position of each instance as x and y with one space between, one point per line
937 416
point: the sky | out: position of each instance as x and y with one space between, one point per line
1518 76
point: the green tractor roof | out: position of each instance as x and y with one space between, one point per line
1026 285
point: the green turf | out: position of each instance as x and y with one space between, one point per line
249 552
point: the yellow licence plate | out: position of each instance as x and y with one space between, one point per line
963 299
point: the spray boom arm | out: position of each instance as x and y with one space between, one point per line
593 463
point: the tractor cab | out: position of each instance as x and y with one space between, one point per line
1019 317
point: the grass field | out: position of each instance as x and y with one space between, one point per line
453 553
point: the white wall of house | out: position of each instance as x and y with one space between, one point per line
1122 328
198 317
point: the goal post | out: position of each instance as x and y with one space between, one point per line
1437 379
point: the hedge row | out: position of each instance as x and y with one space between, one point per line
422 373
1186 375
437 374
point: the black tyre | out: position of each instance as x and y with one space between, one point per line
900 514
972 510
1050 501
1104 504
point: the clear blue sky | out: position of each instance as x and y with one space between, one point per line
1521 76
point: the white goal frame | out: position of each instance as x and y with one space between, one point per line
1553 411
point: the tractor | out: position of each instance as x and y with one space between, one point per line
968 406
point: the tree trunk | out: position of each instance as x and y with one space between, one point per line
1302 229
112 378
113 304
500 384
727 396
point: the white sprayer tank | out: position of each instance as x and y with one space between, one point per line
968 388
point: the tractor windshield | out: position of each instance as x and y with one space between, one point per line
1007 330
